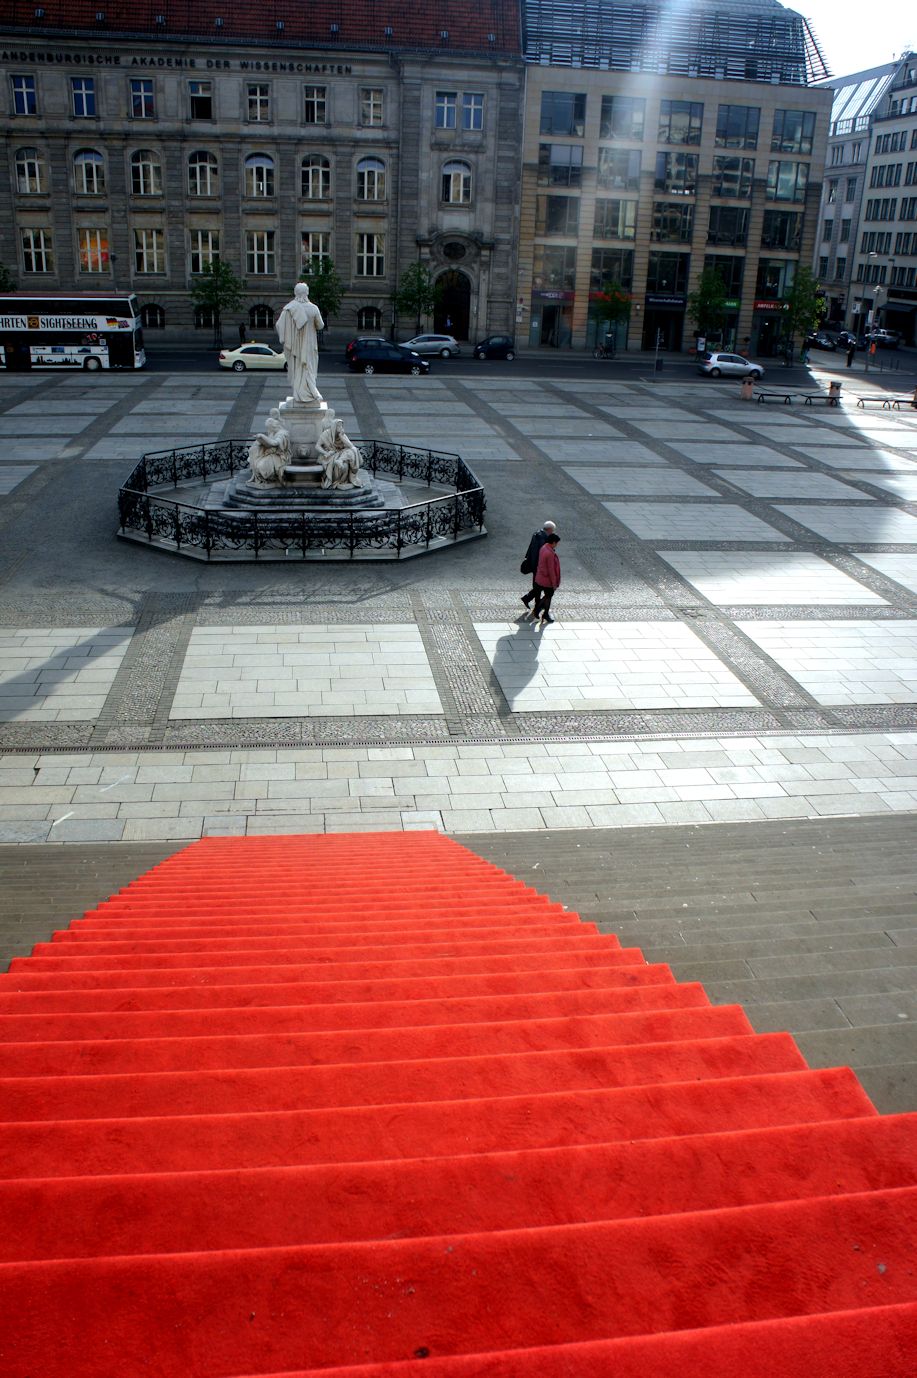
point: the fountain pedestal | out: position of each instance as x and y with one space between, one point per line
304 422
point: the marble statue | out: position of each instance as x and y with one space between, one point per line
297 328
340 458
270 452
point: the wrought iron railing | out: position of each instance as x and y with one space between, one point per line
143 510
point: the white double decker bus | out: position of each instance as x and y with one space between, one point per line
89 331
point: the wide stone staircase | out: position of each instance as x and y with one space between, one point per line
369 1105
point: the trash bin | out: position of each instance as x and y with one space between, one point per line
834 393
748 389
658 366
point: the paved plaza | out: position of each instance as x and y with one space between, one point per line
736 633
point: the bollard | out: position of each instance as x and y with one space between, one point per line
748 389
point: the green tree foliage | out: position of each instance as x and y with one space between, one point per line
803 306
218 288
612 306
417 294
7 281
326 289
707 306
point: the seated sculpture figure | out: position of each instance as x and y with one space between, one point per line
340 458
270 453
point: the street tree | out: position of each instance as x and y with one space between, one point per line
707 306
612 305
218 289
417 294
326 289
803 307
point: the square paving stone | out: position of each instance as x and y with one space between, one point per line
11 475
874 524
795 485
661 481
863 457
732 454
768 579
901 568
674 521
844 662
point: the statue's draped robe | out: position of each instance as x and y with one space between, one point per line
297 328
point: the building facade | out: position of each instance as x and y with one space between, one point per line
657 145
371 138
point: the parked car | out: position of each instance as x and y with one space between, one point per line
820 339
847 338
885 339
495 347
443 345
716 364
251 355
381 357
362 340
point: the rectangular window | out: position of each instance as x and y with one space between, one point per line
667 272
37 251
83 97
787 181
823 267
445 109
615 220
851 192
845 232
558 215
560 165
314 105
676 173
827 229
372 106
673 221
259 253
554 268
205 249
149 251
730 269
831 191
781 230
473 110
841 269
909 208
200 94
793 131
93 250
737 126
316 247
727 225
370 255
680 121
143 98
25 99
732 176
837 154
775 278
623 117
612 265
563 112
619 169
29 168
258 102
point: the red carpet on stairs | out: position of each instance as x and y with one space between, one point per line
368 1107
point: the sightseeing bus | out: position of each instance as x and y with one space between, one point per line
90 331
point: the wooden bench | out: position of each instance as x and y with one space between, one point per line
778 394
887 402
833 399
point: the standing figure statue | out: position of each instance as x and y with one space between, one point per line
297 328
339 455
270 453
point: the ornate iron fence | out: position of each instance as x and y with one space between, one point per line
389 531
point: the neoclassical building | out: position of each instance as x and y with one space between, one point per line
141 142
660 139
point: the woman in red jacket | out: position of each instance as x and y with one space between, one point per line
547 578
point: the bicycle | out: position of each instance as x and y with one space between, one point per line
604 351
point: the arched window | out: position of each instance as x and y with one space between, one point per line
203 317
261 317
89 172
152 317
369 318
259 175
456 182
146 173
203 174
316 177
370 179
31 175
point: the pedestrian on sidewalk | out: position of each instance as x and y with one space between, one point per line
851 351
530 562
243 334
547 578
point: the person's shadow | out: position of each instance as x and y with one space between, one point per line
515 660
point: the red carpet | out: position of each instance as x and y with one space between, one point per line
367 1106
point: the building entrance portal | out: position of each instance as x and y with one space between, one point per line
453 312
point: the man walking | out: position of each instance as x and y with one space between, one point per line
530 563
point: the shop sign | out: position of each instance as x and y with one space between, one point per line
552 296
731 304
665 299
768 306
